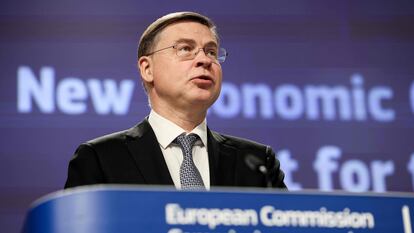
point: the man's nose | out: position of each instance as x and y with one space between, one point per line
202 59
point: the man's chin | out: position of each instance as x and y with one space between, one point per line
202 101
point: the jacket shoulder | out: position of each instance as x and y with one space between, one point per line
108 138
120 137
239 143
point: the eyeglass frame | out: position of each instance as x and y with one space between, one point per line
195 54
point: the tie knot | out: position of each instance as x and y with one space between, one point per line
187 141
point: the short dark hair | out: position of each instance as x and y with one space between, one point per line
147 41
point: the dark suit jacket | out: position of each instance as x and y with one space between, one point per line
134 156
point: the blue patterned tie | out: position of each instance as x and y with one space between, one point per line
190 177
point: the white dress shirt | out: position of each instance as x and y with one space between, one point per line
166 132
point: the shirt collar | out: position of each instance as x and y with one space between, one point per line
166 131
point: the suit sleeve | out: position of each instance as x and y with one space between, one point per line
84 168
276 175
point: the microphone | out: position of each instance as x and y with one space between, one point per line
257 165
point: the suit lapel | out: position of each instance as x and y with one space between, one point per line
145 150
222 160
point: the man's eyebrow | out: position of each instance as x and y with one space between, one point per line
192 42
211 44
185 40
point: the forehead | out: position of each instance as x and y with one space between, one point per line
186 30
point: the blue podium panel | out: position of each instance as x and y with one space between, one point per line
127 209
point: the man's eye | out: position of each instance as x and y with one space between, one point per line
211 52
184 48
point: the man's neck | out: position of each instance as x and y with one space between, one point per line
187 120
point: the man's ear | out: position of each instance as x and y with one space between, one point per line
145 68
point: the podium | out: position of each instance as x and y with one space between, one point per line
132 209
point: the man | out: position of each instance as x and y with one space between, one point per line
179 60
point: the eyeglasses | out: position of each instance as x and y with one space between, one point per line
186 51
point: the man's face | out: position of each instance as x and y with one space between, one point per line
179 83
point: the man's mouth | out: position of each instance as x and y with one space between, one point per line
203 78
